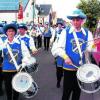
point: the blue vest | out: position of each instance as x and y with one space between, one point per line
59 61
8 64
26 41
71 45
48 33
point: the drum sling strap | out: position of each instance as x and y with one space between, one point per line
78 46
12 56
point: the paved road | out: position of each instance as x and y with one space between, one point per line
46 80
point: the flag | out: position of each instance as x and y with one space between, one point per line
20 11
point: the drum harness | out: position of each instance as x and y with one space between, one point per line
78 47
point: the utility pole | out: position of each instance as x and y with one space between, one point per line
33 14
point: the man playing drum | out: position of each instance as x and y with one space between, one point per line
8 67
27 46
23 36
71 46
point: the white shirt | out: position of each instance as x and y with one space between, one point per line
39 31
31 41
59 48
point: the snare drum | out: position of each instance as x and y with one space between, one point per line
88 76
23 83
30 64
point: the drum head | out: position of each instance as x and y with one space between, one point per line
21 82
88 73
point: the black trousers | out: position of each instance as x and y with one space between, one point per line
46 43
1 76
59 73
35 41
39 41
70 85
1 79
11 94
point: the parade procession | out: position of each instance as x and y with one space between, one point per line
45 55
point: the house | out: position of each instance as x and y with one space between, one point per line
44 13
9 10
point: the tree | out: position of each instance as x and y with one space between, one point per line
92 10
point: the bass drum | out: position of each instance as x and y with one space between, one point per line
88 76
23 83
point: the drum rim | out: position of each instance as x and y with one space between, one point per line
37 88
88 91
82 80
16 76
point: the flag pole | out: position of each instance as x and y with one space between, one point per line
20 12
33 14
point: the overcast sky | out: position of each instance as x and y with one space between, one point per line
62 7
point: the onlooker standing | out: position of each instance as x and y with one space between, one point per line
39 34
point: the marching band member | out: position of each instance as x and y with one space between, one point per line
8 66
71 46
53 37
47 35
1 76
33 33
58 59
39 33
29 42
2 38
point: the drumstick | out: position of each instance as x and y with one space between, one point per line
86 42
75 66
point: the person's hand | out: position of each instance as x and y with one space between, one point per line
34 52
68 61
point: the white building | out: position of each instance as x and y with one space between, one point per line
9 10
44 12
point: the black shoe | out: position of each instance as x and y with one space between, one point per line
1 92
58 84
